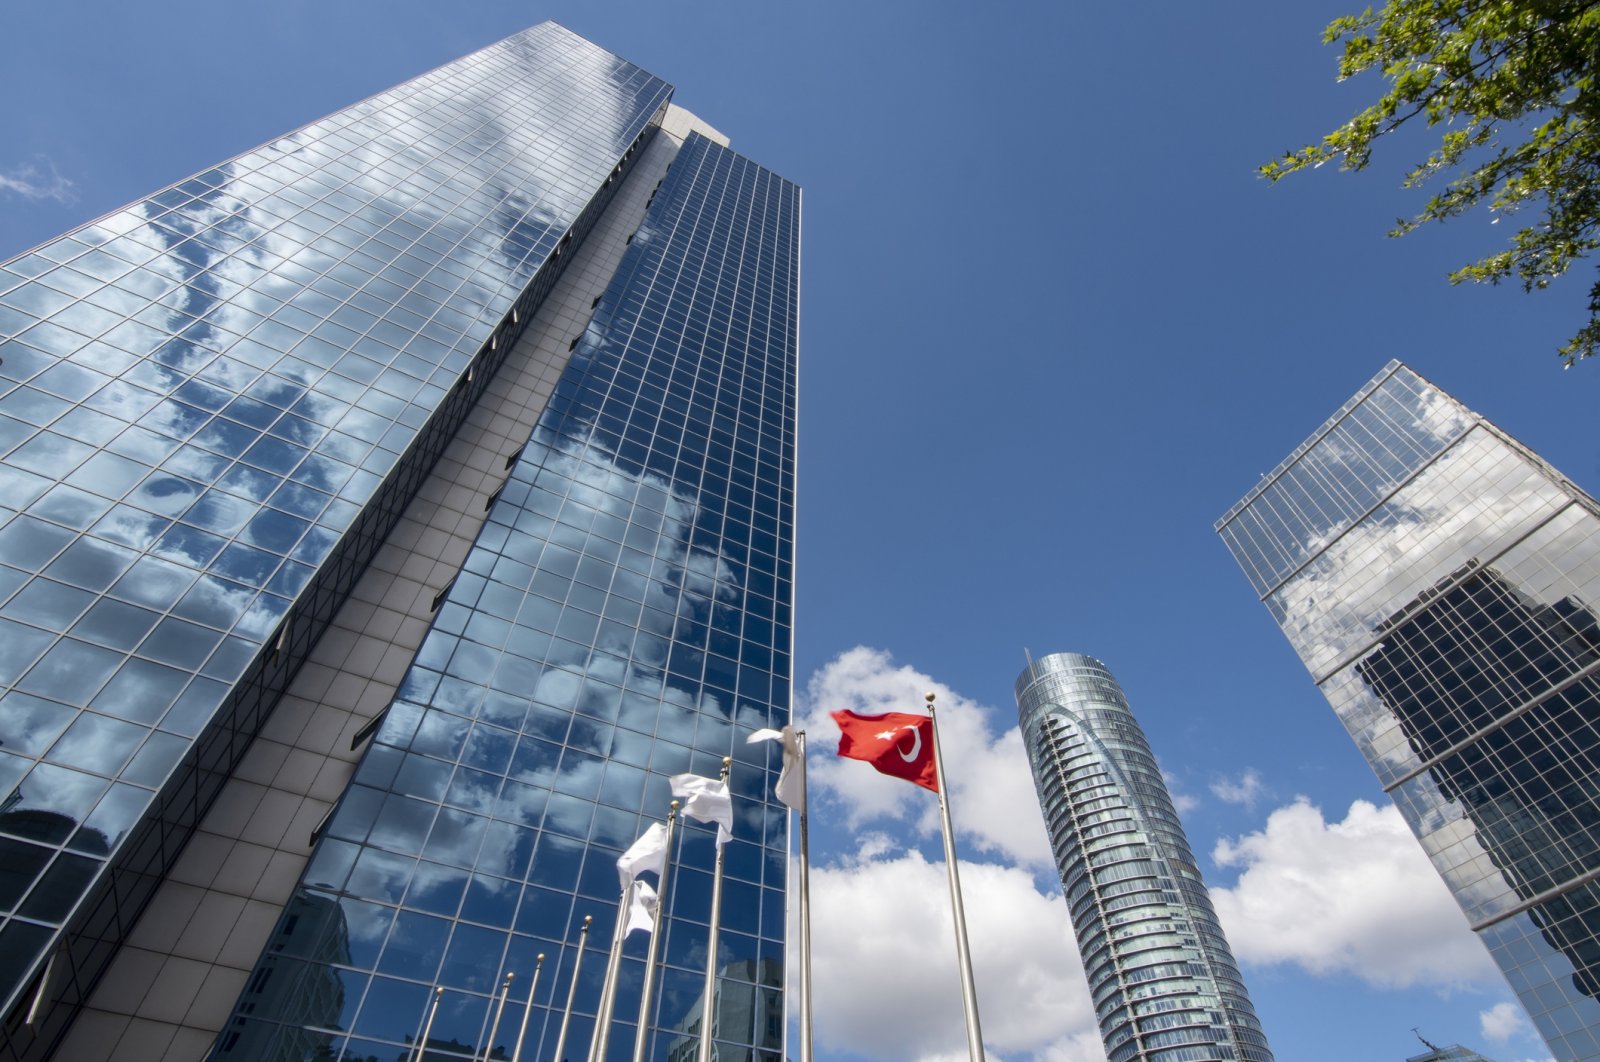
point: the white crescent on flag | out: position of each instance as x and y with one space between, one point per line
881 741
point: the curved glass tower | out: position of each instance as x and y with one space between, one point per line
1164 984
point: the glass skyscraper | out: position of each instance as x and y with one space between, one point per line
448 441
1439 581
1454 1053
1162 979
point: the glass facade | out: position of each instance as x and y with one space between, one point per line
624 616
1162 978
216 402
1454 1053
1439 581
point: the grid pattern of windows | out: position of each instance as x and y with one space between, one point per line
1452 629
1449 1054
1365 450
1473 500
1163 980
1498 695
623 616
213 404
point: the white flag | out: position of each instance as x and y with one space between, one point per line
706 799
649 852
642 905
791 787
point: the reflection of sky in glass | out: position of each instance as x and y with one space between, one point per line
1439 565
199 392
1471 500
1381 436
623 616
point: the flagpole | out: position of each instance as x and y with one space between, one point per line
572 989
708 1007
499 1012
641 1039
527 1012
427 1027
969 991
608 991
805 911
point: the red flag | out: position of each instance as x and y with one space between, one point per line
896 743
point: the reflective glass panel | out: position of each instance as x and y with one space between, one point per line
566 677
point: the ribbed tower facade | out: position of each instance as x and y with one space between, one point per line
1164 983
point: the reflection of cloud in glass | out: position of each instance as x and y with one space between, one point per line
28 725
1349 465
97 743
563 672
229 267
219 304
49 802
1332 605
617 693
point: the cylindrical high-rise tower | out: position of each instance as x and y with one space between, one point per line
1164 984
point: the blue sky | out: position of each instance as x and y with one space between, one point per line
1053 327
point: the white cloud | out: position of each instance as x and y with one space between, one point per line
37 179
1356 897
1502 1021
881 929
1246 791
881 923
993 801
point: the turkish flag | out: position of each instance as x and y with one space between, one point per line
896 743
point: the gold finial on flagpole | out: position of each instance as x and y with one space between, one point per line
572 990
527 1011
500 1009
427 1028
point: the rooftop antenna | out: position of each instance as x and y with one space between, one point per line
1424 1039
1028 654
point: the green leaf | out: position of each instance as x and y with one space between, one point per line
1514 83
